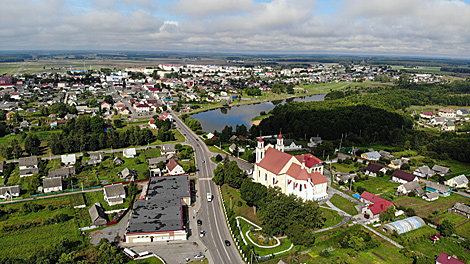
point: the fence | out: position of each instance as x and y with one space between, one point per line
66 191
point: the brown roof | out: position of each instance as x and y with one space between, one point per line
52 182
274 160
172 164
404 175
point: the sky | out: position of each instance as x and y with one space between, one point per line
393 27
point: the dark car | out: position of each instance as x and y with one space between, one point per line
199 222
227 243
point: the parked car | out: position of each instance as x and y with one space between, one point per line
199 256
227 243
199 222
202 233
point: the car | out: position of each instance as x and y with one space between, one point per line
199 256
199 222
198 145
202 233
227 243
184 134
203 161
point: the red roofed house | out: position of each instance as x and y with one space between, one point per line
174 168
105 105
166 116
299 175
152 124
443 258
374 206
427 115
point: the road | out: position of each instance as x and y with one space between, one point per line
19 69
210 213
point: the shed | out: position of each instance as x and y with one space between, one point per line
98 216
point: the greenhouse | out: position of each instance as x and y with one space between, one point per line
405 225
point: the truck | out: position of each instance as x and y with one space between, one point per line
209 197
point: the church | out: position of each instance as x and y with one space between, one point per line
301 175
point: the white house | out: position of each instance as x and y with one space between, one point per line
53 184
460 181
28 166
174 168
114 194
447 112
373 155
403 176
129 153
140 108
8 192
68 159
423 172
290 145
373 169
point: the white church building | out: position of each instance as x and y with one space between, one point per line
301 175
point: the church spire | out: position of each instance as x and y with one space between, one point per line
280 142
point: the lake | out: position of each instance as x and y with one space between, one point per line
217 119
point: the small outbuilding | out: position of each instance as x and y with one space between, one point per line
98 216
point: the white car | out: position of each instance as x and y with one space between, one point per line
202 233
199 256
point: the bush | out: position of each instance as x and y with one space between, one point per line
325 253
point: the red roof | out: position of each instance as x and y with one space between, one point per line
379 204
309 160
143 105
296 171
260 139
274 160
428 114
172 164
280 136
447 259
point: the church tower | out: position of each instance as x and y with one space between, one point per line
280 143
260 149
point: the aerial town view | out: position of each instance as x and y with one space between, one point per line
219 131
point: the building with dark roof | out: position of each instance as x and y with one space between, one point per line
403 176
97 214
62 172
53 184
159 215
28 166
373 169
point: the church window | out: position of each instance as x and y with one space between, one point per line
265 176
300 189
274 180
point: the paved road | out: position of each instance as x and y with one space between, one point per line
19 69
210 213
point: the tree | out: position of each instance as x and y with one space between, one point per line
253 193
97 124
387 215
218 158
117 123
405 166
132 188
300 235
32 144
446 228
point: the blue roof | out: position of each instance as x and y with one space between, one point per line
357 196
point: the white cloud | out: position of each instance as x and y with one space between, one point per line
418 27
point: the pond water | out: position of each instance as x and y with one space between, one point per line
217 119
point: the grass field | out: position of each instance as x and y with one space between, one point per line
343 204
232 196
9 68
152 260
23 243
424 208
378 185
332 217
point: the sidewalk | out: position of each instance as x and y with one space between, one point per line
382 236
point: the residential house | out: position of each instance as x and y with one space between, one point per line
345 177
427 115
461 209
430 196
8 192
62 172
462 112
300 175
386 154
438 121
439 188
233 148
373 169
174 168
460 181
446 113
140 108
372 155
128 175
129 153
397 163
443 258
210 136
314 141
114 194
168 149
153 162
95 158
105 105
374 206
118 161
408 187
441 170
291 145
68 159
448 126
403 176
53 184
423 172
28 166
97 214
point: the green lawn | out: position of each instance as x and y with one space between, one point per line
98 197
378 185
232 196
344 204
152 260
332 217
23 243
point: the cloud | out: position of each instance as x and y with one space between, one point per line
416 27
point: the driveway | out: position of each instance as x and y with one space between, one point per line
113 233
171 252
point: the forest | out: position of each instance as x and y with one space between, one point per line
375 116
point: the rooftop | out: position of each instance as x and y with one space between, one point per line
162 210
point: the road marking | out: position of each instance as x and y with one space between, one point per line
204 179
